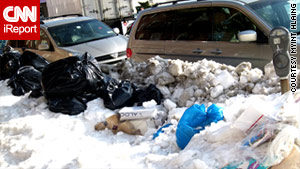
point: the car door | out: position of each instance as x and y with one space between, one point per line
192 32
227 23
43 47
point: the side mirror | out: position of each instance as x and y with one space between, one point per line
116 30
43 47
247 36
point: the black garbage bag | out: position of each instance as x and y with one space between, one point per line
70 83
93 74
26 79
147 94
33 59
117 95
64 78
9 64
67 105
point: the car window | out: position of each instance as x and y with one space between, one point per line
30 44
183 24
228 22
193 24
80 32
44 39
157 26
276 13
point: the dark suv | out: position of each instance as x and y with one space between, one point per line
226 31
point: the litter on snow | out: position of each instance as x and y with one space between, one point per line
211 116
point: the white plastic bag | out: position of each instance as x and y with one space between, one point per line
281 146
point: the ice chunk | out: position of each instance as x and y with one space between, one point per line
198 93
165 78
243 78
149 104
175 67
254 75
199 164
191 70
189 103
216 91
155 66
225 79
177 93
176 113
164 91
245 66
269 70
258 88
169 104
186 95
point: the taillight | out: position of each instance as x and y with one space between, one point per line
128 52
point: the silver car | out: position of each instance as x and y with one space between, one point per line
66 36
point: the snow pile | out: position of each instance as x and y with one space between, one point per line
204 81
33 137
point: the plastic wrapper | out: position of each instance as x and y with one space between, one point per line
249 118
139 112
259 135
281 146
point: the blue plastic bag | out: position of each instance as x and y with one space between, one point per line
214 114
194 120
160 130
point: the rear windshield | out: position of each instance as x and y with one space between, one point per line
80 32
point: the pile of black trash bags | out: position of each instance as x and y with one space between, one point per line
68 84
23 71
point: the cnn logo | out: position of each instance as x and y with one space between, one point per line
24 14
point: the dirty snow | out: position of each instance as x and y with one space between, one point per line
33 137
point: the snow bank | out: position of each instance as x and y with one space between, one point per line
33 137
193 82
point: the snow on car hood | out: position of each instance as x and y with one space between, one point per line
101 47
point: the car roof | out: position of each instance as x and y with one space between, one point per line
64 20
168 4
